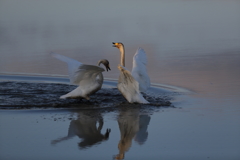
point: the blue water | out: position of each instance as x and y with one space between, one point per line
194 128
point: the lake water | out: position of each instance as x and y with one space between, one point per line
194 45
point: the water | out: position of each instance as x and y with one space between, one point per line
190 44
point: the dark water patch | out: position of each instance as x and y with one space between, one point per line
22 95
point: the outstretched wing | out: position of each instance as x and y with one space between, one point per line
73 65
87 74
78 71
129 87
89 78
139 70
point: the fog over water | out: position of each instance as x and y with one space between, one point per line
189 43
183 39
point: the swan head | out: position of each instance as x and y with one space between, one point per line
105 63
118 45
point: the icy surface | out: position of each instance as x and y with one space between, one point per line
46 95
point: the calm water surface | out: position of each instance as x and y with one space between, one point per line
190 44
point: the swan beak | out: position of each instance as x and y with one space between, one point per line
114 44
108 67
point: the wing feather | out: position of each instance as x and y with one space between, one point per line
139 70
73 65
87 73
88 77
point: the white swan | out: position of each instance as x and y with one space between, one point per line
88 77
127 84
139 71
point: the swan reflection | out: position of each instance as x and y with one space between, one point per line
132 125
88 127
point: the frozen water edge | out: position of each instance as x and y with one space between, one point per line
43 91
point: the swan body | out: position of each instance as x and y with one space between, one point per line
129 84
139 71
88 77
129 87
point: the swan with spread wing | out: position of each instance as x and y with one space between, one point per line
132 84
88 77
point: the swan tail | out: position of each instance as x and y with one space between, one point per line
73 94
143 100
65 96
76 93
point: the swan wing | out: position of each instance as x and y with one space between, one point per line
139 70
73 65
89 78
87 74
129 87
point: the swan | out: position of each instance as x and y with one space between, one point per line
127 83
88 77
139 71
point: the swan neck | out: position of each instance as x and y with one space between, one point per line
99 62
122 51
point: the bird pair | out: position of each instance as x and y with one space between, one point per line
90 77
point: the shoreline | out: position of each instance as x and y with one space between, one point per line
32 91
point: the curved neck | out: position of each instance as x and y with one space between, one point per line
99 62
122 60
